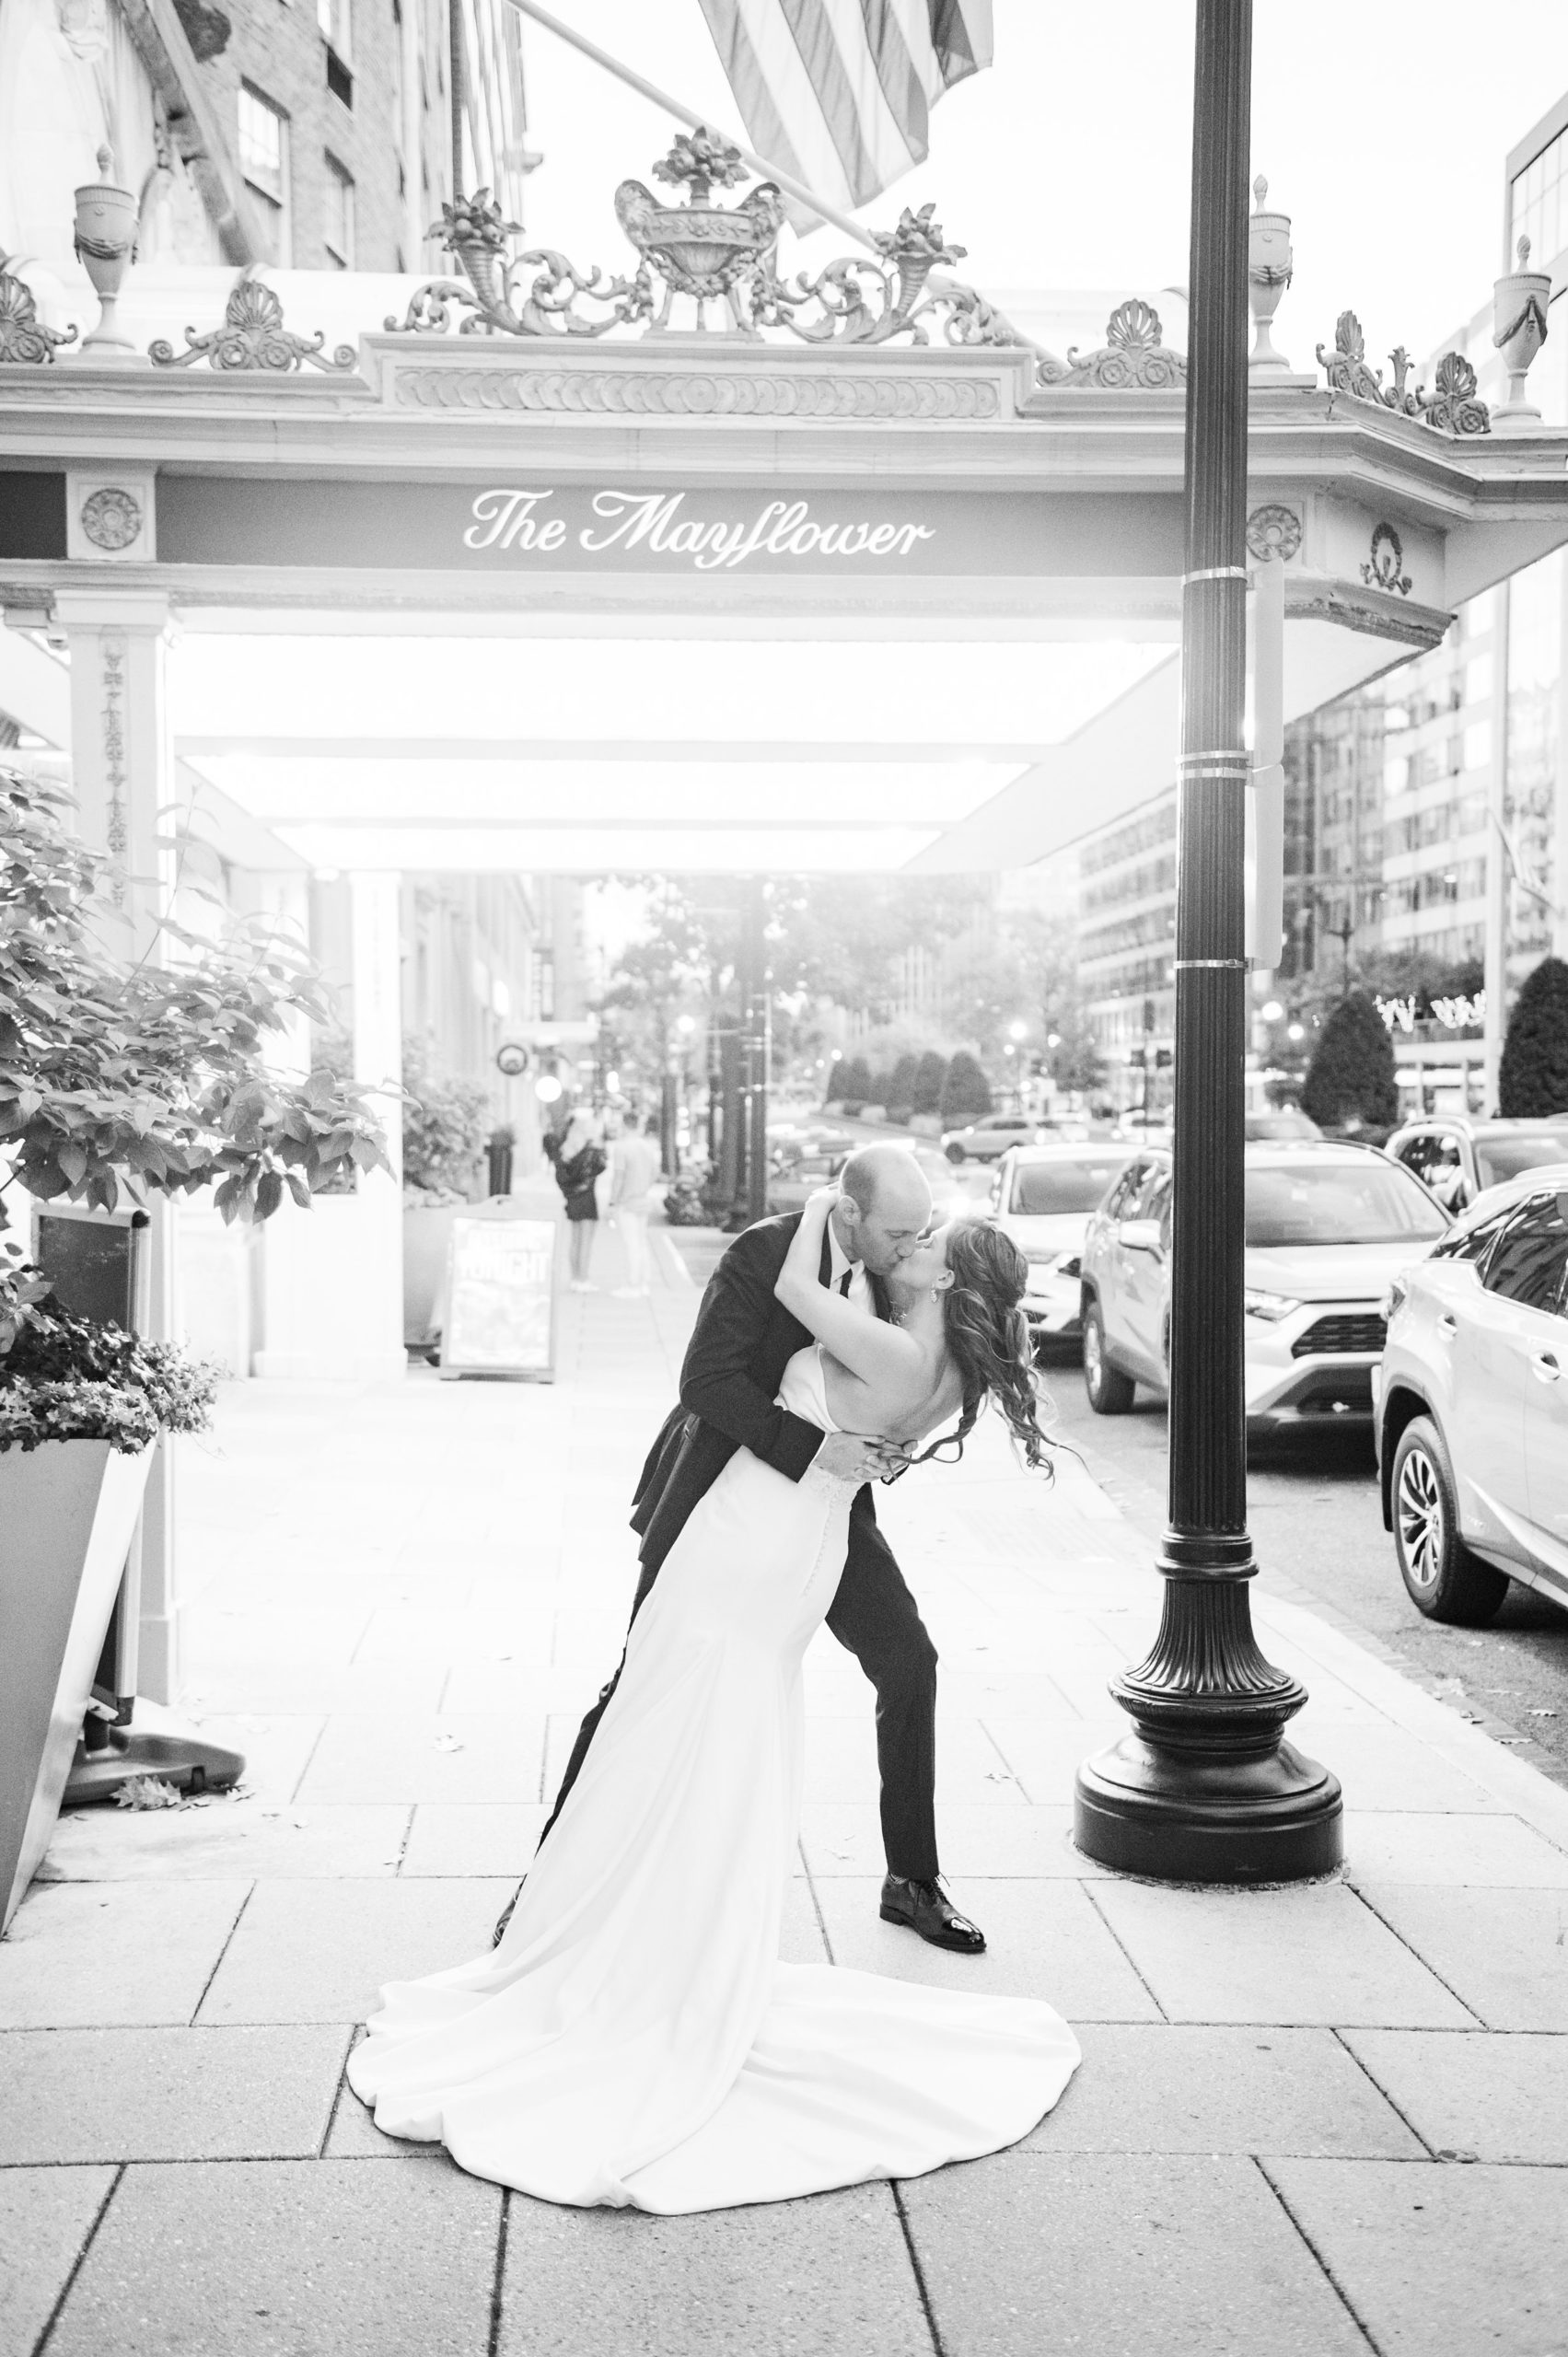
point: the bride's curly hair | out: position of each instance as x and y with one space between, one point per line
987 1335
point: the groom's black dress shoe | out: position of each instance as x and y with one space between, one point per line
925 1908
498 1934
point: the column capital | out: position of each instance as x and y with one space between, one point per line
103 607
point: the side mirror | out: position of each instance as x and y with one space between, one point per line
1141 1235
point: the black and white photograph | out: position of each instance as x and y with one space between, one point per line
783 1178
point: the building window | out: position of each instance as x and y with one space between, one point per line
338 235
263 160
333 17
1538 205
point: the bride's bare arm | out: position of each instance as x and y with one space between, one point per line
877 1353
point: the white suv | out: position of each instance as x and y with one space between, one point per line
1328 1227
1472 1408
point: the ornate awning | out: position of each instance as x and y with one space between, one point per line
686 565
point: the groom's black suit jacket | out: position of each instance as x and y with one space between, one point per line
742 1341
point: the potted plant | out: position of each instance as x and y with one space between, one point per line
81 1405
116 1079
446 1123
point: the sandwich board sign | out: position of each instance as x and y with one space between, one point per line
500 1309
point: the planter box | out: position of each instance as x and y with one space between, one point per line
67 1513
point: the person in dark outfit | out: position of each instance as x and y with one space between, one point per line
734 1364
578 1159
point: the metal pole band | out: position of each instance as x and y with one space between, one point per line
1217 573
1211 965
1227 756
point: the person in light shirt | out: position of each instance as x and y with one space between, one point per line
634 1168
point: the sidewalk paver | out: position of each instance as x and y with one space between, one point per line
403 1598
1469 2261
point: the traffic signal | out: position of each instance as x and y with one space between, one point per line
1137 1059
1164 1056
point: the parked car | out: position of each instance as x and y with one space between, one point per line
1459 1157
988 1139
1042 1195
1473 1405
800 1167
1327 1228
1280 1123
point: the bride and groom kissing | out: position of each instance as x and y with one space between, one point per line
632 2038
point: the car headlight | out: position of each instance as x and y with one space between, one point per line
1271 1306
1394 1298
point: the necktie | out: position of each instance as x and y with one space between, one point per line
844 1281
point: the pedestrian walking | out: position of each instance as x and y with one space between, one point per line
633 1167
578 1159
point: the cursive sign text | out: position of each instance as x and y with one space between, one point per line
659 521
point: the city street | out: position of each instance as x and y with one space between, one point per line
1317 1530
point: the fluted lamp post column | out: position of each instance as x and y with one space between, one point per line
1205 1788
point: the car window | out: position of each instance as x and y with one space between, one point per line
1151 1193
1473 1243
1529 1260
1509 1158
1416 1153
1046 1188
1370 1201
1132 1180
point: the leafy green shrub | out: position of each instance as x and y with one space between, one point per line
1533 1080
929 1074
152 1078
899 1100
446 1124
966 1092
64 1377
852 1083
1350 1083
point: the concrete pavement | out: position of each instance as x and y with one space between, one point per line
1313 2120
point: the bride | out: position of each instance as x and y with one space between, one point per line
634 2040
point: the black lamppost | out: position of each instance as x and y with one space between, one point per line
1206 1790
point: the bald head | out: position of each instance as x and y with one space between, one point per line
884 1206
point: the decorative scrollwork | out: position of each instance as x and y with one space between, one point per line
1132 358
23 335
1454 406
1451 407
252 336
708 255
1385 569
1273 532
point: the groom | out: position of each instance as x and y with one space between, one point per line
734 1364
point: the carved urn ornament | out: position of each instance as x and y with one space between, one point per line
1268 265
1519 320
106 244
700 249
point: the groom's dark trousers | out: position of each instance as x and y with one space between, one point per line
735 1362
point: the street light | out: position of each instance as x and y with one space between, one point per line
1272 1012
1018 1031
1205 1788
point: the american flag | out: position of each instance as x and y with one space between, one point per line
839 92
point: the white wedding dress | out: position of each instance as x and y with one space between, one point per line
634 2040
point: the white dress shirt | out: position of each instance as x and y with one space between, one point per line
859 1282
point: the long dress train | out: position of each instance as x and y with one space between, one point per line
634 2040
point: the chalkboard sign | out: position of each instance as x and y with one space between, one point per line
500 1307
92 1259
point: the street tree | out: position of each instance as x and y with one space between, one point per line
966 1092
1533 1080
1351 1082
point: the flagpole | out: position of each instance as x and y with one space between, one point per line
786 180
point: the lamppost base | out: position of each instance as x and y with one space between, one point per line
1273 1817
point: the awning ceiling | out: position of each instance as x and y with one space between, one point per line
574 754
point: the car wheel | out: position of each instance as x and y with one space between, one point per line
1442 1577
954 1153
1110 1391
